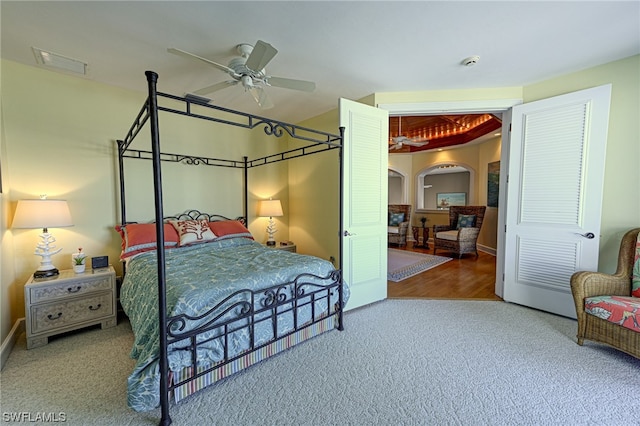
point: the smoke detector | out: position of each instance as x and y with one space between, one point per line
471 61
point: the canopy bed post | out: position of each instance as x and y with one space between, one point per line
246 190
340 225
123 210
152 79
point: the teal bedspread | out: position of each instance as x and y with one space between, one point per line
198 277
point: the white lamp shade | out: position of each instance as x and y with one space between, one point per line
270 208
42 213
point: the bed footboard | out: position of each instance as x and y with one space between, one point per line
249 326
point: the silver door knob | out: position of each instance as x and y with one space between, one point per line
347 233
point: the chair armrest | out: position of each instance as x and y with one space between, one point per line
588 284
468 234
438 228
403 228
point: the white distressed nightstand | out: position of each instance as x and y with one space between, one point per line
69 302
288 247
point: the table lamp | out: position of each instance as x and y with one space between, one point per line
43 213
270 208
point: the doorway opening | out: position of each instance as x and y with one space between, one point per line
501 107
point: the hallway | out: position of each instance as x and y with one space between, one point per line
466 278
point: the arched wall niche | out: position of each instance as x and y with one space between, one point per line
403 197
429 170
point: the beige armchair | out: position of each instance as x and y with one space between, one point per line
605 306
459 238
397 230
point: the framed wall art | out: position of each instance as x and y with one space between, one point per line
444 200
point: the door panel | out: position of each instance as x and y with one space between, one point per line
365 201
556 171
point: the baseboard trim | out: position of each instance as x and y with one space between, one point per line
10 341
488 250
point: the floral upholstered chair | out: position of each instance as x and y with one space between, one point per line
461 235
398 224
608 306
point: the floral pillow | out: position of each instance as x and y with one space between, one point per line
193 231
466 221
396 219
635 275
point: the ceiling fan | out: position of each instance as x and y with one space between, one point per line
249 70
399 141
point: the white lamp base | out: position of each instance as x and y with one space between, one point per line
271 229
43 249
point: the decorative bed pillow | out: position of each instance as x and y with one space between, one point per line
466 221
193 231
141 237
635 274
229 229
396 219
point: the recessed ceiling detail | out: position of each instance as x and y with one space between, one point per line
442 131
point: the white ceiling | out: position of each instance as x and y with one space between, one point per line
350 49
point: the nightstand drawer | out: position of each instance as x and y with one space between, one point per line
67 313
46 293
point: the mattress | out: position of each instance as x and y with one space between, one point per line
199 277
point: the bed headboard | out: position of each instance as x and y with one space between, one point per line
198 215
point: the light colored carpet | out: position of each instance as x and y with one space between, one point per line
398 362
402 264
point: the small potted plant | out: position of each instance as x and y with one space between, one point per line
79 261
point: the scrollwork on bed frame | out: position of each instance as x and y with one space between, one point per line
198 215
245 309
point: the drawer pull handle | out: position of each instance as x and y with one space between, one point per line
96 308
52 317
74 290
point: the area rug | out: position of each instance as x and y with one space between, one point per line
402 264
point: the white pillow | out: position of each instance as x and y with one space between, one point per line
193 231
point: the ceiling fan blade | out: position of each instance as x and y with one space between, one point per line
261 97
215 87
407 141
288 83
260 56
205 60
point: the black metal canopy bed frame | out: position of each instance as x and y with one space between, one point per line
258 306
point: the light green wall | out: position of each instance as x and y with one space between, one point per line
58 138
621 202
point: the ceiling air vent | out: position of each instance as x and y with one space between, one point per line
59 62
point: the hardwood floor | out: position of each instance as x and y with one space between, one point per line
466 278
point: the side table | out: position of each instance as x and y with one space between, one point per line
416 236
68 302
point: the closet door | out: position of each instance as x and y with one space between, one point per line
364 212
554 197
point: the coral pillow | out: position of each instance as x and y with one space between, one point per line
635 274
229 229
193 231
141 237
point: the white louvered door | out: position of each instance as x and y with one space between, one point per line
364 212
554 197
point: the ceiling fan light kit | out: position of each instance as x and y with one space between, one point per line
398 141
249 70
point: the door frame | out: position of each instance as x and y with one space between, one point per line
486 106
